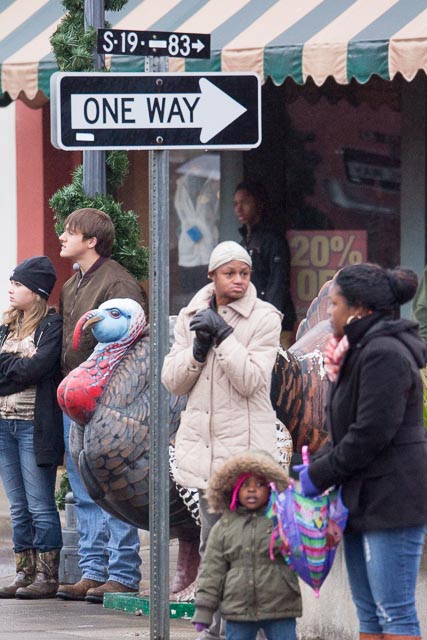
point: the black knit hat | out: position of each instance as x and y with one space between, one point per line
38 274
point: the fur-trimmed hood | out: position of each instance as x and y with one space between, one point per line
223 481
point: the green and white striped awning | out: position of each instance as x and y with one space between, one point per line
345 39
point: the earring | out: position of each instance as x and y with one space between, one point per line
351 318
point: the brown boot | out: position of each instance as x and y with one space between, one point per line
45 584
371 636
25 562
78 590
111 586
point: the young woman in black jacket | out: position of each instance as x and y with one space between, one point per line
378 448
31 438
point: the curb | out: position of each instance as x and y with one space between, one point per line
131 603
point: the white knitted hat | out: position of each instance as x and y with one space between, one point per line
226 252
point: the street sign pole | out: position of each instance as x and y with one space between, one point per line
159 402
94 170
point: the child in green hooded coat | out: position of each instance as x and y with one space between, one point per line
237 574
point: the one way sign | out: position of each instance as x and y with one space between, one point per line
152 111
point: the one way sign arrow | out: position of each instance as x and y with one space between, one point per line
210 111
151 111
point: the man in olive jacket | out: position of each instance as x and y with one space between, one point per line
108 547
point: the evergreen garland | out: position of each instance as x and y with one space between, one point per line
74 48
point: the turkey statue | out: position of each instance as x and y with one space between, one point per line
299 382
107 397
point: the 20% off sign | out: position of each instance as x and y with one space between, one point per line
317 255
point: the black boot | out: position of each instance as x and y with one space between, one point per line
25 562
45 584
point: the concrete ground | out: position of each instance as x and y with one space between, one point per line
59 620
330 617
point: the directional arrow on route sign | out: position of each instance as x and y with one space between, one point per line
152 111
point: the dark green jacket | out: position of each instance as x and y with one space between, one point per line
238 576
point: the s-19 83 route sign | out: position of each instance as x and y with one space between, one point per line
154 43
155 111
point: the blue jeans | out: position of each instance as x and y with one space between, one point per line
108 547
30 489
382 568
281 629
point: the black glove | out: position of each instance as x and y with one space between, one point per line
201 345
210 321
202 341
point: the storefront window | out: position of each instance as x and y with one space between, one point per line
351 208
330 160
195 212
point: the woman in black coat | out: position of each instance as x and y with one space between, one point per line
31 438
378 448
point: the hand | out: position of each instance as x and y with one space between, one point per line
201 345
209 320
308 488
200 626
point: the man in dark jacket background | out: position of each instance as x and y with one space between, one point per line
269 250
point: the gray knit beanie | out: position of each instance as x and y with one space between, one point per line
226 252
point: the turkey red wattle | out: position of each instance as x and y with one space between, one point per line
79 391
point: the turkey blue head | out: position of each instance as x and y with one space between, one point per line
117 324
118 321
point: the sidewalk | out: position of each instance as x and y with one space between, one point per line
60 620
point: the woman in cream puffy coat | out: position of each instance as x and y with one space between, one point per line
229 408
225 346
